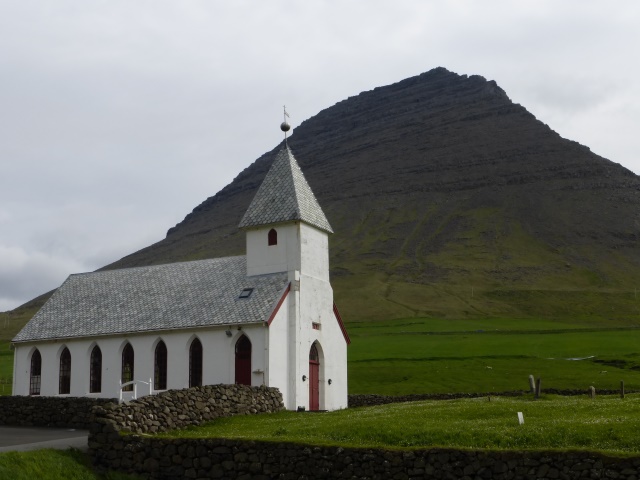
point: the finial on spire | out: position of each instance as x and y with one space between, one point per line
284 126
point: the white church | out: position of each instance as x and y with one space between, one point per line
267 318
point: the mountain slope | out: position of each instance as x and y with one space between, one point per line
447 199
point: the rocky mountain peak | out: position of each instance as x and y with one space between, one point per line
441 180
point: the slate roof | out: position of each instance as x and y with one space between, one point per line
284 196
162 297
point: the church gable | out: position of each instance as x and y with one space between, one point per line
162 297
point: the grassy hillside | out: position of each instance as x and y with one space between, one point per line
489 266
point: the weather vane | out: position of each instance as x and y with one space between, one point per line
284 126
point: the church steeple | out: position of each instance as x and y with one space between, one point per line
285 196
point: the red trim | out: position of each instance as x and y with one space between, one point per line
275 310
341 323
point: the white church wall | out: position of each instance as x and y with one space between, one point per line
314 253
218 360
278 363
335 365
315 298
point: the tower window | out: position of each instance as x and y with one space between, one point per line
273 237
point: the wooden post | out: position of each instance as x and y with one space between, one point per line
538 388
532 384
592 392
621 388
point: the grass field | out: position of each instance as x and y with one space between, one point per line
607 424
492 355
51 465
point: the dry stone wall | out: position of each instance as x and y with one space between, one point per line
234 459
177 458
174 409
61 412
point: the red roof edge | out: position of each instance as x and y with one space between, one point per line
275 310
341 323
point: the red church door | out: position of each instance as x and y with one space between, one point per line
314 379
243 361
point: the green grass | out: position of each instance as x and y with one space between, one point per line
607 424
10 325
50 464
489 355
6 368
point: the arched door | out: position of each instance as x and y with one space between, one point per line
243 361
314 379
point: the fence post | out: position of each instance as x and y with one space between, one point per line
538 388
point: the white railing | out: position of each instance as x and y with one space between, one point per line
135 387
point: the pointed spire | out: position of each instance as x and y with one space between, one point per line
285 196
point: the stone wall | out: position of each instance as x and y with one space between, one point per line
61 412
171 410
168 458
236 459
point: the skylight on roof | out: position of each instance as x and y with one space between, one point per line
246 293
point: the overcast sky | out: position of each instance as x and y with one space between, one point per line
118 117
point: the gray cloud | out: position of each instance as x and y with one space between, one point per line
117 117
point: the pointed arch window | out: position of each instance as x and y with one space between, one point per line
195 363
95 370
272 237
64 384
313 354
36 371
127 367
160 367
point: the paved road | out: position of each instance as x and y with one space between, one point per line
32 438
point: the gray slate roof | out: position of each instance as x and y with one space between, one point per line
285 196
161 297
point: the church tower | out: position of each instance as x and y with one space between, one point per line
287 231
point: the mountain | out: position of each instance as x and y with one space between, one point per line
447 199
